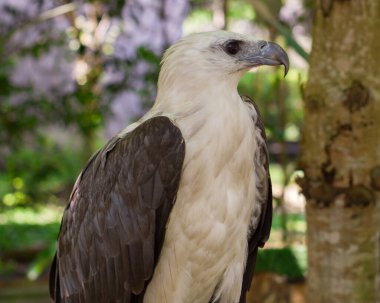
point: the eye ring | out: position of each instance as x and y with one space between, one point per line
232 47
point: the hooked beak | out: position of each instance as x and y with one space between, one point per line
268 53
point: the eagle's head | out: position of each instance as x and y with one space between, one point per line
218 55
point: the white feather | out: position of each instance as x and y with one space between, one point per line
205 246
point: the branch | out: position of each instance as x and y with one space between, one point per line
262 9
44 16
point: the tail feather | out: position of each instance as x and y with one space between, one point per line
54 287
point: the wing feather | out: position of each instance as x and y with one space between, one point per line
262 231
114 225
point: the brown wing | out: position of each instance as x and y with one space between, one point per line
261 233
113 228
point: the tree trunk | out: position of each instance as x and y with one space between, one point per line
341 153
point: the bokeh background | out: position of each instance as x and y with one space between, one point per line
73 74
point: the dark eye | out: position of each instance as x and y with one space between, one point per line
232 47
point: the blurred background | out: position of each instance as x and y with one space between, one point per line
73 74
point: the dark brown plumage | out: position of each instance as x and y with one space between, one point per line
114 225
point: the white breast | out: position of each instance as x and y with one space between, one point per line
206 239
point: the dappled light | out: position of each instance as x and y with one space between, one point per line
74 75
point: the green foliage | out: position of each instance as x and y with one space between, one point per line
276 173
37 174
6 268
34 167
196 17
41 262
295 222
84 109
18 237
269 90
289 262
147 55
151 76
240 10
28 235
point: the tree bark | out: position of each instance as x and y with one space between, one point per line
341 153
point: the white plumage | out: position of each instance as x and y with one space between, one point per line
174 208
205 246
206 238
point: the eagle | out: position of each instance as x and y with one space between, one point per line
174 208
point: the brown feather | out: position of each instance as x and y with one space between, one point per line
114 225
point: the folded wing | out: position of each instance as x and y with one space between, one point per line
113 228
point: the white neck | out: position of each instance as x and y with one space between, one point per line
184 95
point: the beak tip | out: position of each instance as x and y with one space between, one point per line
285 62
286 69
276 53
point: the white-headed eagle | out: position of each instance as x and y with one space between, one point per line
174 208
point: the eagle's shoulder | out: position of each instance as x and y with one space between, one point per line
115 221
258 119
